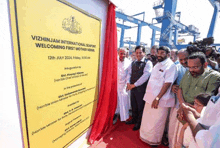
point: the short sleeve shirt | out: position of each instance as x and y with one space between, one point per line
163 72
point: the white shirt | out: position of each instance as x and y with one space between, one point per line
209 138
163 72
188 136
212 112
123 70
147 71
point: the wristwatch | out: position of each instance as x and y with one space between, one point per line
157 98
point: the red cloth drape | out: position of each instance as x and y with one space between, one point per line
108 91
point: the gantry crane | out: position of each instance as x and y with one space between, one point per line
171 28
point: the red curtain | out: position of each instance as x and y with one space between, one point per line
108 91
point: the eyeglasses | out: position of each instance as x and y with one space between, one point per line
195 67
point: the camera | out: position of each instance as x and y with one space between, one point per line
200 46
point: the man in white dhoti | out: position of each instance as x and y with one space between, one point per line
159 98
123 97
173 122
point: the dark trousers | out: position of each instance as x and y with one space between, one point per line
137 103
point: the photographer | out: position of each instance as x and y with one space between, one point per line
212 56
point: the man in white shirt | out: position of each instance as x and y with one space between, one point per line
159 98
138 74
123 98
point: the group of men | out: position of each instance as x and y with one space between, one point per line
159 87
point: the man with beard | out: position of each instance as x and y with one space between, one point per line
138 74
181 69
159 98
199 79
153 54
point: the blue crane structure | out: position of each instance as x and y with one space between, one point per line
171 28
216 5
136 21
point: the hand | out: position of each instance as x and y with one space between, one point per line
180 114
188 112
175 88
128 86
192 109
132 86
177 145
155 104
185 126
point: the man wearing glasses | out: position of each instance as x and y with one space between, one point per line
199 79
